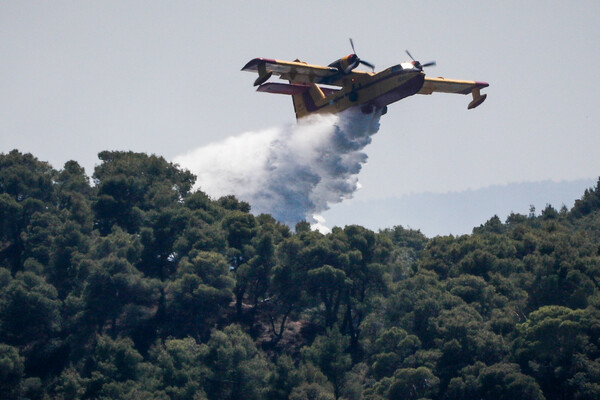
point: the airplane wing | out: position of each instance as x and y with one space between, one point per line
455 86
295 71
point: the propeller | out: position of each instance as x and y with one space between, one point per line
368 64
418 65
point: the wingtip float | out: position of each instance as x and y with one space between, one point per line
348 87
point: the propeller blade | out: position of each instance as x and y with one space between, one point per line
368 64
418 64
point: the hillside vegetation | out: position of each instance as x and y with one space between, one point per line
138 287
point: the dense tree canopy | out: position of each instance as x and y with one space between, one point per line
132 285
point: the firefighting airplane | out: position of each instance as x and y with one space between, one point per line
347 87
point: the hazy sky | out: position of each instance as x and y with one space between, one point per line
79 77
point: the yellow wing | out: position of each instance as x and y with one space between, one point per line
455 86
298 72
295 71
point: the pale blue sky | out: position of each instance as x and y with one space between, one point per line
77 78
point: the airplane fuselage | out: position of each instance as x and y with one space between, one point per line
378 90
370 91
339 86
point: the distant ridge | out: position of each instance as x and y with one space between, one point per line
457 213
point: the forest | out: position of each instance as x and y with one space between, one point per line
133 285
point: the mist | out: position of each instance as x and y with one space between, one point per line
293 172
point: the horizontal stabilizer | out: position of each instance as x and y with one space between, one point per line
292 88
283 88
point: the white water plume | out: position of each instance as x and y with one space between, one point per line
293 173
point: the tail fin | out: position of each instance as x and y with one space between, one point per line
307 98
300 106
309 101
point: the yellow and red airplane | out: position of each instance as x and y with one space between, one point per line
338 86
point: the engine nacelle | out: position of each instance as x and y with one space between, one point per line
346 64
